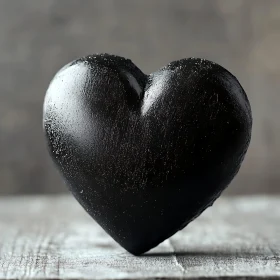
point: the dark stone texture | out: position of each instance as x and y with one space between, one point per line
146 154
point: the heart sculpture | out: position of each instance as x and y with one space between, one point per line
146 154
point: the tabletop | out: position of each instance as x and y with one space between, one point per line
52 237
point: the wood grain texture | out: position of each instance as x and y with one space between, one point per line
52 237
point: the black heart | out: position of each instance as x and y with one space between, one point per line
145 155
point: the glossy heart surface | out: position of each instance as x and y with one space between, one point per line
146 154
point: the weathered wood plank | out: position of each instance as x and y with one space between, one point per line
52 237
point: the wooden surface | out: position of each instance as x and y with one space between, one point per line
53 238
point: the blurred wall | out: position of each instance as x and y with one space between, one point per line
38 37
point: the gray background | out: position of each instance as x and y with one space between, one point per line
38 37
